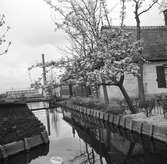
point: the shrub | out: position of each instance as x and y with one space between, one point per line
97 104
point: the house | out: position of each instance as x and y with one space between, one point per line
77 90
155 71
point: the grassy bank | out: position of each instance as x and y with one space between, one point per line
98 104
17 122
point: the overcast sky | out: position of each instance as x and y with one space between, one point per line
32 33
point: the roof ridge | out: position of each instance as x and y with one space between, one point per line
142 27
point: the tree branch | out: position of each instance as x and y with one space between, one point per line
148 8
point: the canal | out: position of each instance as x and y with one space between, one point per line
78 139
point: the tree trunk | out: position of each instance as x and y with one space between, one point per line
106 99
130 151
140 78
127 98
140 84
97 91
70 90
87 90
61 91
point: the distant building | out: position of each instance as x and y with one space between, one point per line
64 91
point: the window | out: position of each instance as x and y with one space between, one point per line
162 76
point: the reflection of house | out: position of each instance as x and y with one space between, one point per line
154 72
22 93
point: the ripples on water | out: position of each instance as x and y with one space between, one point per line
82 140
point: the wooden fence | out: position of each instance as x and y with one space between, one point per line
156 106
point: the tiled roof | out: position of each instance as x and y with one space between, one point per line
155 41
142 27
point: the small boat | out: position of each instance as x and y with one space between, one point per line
56 160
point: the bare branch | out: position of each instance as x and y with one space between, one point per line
147 9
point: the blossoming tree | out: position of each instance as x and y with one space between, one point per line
101 56
4 44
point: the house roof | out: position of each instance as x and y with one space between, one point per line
155 41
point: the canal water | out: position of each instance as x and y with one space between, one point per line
79 139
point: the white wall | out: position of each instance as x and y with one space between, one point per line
150 76
131 84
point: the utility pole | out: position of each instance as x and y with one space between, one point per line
44 71
44 83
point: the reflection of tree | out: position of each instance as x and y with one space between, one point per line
83 158
130 151
54 121
90 155
92 146
86 157
94 139
73 131
101 149
76 158
101 160
98 144
87 151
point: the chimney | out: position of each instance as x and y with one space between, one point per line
165 16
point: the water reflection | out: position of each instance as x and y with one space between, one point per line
48 121
79 139
55 120
115 145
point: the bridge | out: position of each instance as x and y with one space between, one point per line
28 96
23 96
26 99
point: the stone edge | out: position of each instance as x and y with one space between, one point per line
141 127
23 145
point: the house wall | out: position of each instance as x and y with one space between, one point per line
150 79
131 85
